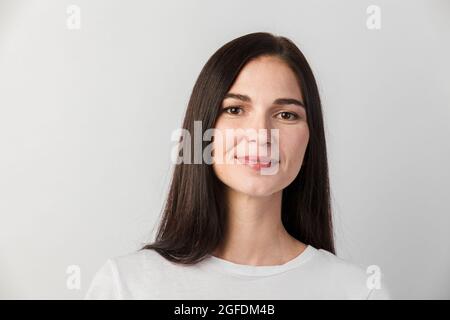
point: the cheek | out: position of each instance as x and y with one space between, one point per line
293 150
220 145
225 139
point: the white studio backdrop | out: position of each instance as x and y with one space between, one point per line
87 108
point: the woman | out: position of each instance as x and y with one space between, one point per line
228 230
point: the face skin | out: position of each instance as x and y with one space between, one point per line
255 234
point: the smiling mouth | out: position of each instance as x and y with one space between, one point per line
256 162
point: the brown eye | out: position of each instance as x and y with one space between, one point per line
232 110
288 115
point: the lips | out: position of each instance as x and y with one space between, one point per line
255 162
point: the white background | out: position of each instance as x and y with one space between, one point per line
86 118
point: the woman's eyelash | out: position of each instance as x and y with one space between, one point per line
231 107
293 115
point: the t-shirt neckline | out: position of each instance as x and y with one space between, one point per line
255 271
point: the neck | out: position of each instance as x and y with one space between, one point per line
254 234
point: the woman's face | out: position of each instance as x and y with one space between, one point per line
263 96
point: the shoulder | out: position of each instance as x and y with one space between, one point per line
352 280
340 268
139 261
112 279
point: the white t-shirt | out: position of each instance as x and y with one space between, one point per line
313 274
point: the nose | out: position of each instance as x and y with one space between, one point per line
258 131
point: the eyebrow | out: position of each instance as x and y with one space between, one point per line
279 101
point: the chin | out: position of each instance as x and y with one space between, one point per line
250 183
255 188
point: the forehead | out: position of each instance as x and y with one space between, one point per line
267 77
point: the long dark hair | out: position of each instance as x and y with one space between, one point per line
194 213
